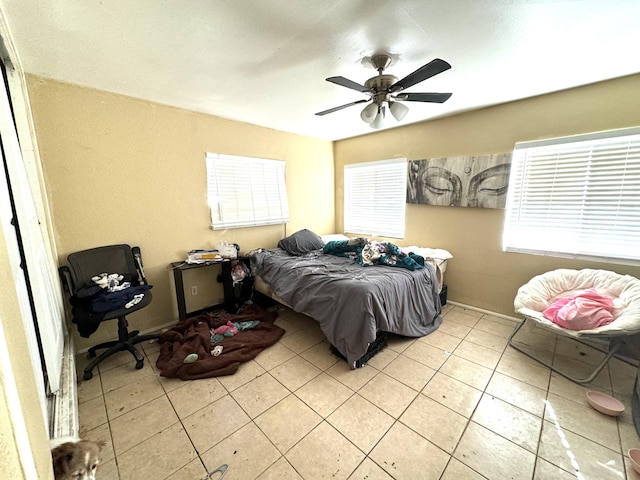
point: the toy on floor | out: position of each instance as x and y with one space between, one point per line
192 357
218 334
230 329
217 350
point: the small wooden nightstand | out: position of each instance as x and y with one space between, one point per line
233 298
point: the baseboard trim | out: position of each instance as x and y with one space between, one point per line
487 312
63 405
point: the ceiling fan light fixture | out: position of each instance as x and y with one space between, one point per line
378 122
398 110
385 90
369 113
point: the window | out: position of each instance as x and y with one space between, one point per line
246 192
375 198
576 197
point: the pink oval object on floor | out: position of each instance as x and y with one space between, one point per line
605 403
634 455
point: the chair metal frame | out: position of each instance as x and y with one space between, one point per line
615 345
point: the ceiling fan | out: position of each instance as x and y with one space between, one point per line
385 90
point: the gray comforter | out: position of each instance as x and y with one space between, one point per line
352 302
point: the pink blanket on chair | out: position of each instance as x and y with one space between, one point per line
581 311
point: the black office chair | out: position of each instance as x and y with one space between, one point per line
84 292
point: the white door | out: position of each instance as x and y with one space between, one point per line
38 265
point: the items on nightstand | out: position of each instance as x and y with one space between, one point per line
228 250
203 256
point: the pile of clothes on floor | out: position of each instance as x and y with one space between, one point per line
216 343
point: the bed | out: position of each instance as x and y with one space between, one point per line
352 303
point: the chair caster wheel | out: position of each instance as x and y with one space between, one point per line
139 364
87 375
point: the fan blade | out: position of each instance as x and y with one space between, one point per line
424 97
432 68
345 82
335 109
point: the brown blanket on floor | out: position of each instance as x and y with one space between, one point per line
194 336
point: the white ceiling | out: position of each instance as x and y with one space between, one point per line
265 61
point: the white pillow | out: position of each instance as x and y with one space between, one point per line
333 236
436 253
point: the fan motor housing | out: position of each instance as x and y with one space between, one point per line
380 83
379 86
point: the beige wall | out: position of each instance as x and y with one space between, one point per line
481 274
124 170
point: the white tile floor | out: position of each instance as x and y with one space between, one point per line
456 404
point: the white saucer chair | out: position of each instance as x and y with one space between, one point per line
622 334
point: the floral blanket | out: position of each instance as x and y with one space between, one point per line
367 253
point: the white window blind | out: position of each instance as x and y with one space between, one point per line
246 192
375 198
576 197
